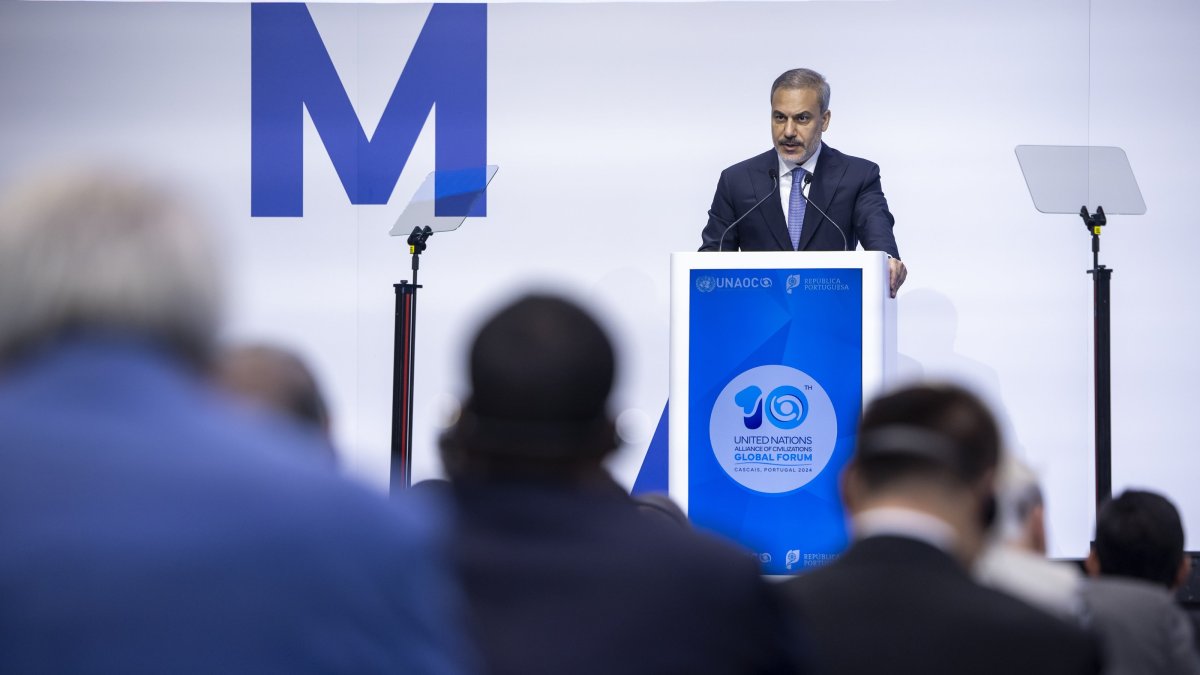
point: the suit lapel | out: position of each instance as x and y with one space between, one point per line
825 180
771 209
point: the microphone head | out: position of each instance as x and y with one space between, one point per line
773 174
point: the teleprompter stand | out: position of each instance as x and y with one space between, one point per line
1102 355
1060 177
458 190
404 353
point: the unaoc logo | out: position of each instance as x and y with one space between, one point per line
773 429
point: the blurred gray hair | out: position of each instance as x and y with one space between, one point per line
1017 494
110 251
803 78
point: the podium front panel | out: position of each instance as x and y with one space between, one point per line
768 386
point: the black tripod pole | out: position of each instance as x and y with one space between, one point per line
1101 276
403 366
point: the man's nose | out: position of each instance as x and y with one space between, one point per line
790 129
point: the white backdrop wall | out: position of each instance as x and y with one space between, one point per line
610 123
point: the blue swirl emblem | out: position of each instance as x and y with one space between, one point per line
787 407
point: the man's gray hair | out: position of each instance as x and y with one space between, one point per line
108 251
1017 495
804 78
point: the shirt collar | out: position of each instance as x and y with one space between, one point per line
785 167
895 521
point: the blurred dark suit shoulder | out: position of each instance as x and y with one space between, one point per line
569 580
900 606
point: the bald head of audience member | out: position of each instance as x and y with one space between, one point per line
1139 534
541 370
276 379
931 449
102 252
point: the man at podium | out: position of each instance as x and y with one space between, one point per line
802 195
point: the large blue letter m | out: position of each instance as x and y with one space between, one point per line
291 70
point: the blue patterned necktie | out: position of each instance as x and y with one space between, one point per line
796 204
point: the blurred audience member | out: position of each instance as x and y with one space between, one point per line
1139 535
1014 560
435 487
277 380
562 572
660 506
434 492
1137 561
145 526
900 600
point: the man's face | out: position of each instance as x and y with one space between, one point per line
797 123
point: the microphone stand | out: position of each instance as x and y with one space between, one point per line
775 186
805 189
403 361
1101 276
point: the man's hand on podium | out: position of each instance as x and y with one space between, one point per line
897 273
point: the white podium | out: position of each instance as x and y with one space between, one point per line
773 355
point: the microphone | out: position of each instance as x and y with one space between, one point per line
775 186
804 189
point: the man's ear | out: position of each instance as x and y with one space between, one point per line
1185 571
1092 564
984 493
851 488
1035 528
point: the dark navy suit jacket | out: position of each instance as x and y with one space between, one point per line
895 605
575 579
146 527
844 187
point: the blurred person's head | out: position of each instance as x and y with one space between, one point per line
274 378
1020 509
105 252
928 448
435 487
541 370
1139 534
